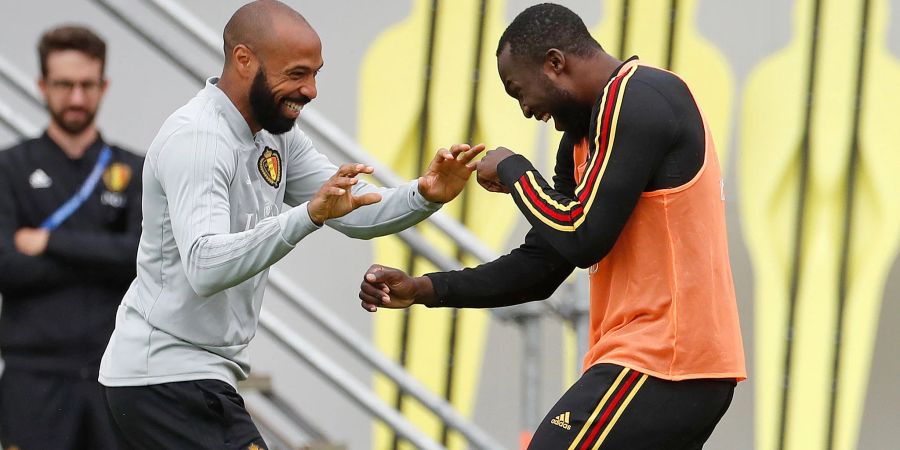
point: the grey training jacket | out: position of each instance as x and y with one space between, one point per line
212 200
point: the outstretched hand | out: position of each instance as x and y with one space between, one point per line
392 288
448 172
335 198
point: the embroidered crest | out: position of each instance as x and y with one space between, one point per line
269 166
116 177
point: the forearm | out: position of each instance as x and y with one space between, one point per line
582 228
116 249
531 272
20 272
399 209
217 262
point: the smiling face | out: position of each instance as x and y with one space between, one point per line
286 79
539 96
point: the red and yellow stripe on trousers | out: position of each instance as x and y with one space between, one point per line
607 413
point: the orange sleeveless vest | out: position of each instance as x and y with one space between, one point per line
662 300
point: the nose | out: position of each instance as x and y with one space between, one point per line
309 89
77 96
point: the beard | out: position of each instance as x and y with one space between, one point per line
266 109
72 126
568 114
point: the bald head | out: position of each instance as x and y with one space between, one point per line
258 25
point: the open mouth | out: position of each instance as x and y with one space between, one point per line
293 106
545 117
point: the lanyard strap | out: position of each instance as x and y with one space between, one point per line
71 205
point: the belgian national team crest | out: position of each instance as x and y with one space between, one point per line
269 166
116 177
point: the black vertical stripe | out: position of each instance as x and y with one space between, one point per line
623 37
850 192
455 316
798 228
420 163
673 24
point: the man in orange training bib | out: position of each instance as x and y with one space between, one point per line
637 198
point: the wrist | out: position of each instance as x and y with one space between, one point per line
421 192
512 168
424 291
316 219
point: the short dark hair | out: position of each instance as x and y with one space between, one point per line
545 26
71 37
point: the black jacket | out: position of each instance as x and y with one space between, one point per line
59 308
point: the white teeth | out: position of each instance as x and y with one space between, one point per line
296 107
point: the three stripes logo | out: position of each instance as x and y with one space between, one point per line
562 421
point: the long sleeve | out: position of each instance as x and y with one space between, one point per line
195 169
631 141
399 208
20 272
533 271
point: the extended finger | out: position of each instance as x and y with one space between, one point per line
367 199
457 149
333 191
342 182
444 155
352 170
470 153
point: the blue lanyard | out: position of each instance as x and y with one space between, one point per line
71 205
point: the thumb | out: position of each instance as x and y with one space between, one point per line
376 274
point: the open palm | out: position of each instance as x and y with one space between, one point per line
448 172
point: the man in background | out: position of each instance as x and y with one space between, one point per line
70 220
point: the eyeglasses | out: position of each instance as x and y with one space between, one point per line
68 86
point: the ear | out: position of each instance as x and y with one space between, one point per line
246 63
554 63
42 85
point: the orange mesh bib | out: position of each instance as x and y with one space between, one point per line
662 300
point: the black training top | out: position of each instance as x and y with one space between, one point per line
59 308
659 144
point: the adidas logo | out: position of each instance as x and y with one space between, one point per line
562 421
39 180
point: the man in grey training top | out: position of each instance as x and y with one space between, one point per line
215 178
